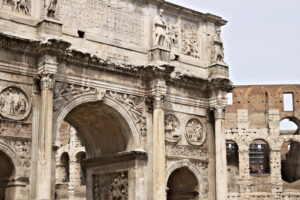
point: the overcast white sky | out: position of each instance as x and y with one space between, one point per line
262 38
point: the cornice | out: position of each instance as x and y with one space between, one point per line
117 157
33 47
223 84
145 72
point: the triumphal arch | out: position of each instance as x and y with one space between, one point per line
143 83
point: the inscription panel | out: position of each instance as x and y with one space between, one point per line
120 20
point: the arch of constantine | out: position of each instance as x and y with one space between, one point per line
126 99
111 99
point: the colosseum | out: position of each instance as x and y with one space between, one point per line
130 100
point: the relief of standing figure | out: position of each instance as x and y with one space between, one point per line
51 8
217 48
160 29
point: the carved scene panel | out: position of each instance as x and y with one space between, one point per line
17 6
112 186
190 40
14 103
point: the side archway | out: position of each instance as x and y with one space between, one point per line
15 160
183 182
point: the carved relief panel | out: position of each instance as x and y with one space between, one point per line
112 186
189 39
18 6
194 132
14 103
172 32
172 132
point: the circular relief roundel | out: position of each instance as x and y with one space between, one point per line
14 104
172 128
194 132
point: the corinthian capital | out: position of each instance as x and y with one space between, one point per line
219 111
158 101
47 81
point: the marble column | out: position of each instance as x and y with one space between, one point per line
159 157
220 146
43 186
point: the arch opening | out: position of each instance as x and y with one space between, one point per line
7 170
65 167
290 162
182 185
232 156
289 126
80 157
104 129
101 128
259 157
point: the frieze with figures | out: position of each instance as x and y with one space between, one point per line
14 103
112 186
187 151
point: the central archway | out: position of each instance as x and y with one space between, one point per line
107 130
88 111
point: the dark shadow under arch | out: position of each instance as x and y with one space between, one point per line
182 185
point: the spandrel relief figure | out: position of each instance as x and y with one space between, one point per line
171 129
194 132
217 48
160 29
14 104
